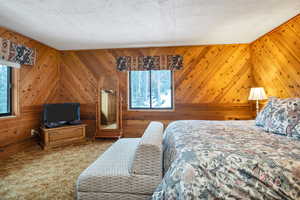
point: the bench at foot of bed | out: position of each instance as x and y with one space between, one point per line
130 169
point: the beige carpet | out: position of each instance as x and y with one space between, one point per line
38 174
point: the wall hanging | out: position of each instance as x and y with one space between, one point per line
140 63
11 52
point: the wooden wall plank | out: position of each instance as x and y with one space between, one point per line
213 84
276 60
38 85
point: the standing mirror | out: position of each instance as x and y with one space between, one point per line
108 109
109 122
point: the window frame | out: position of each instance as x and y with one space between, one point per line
9 92
150 91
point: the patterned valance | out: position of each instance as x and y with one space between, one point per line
16 53
140 63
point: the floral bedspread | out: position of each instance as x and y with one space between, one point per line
228 160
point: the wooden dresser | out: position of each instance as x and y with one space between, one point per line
55 137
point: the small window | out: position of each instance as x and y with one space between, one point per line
5 90
150 89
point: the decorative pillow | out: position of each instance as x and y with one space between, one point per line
284 117
265 113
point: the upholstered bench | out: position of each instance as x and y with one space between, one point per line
130 169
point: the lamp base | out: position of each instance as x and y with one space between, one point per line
257 107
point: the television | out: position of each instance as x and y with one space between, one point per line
55 115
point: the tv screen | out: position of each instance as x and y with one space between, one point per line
61 113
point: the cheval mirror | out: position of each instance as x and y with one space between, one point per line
109 123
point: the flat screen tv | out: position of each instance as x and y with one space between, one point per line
55 115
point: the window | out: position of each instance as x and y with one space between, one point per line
5 90
150 89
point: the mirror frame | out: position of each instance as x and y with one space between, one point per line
109 133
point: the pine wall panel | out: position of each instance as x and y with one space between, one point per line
276 60
213 84
39 84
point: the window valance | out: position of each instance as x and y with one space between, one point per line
11 52
140 63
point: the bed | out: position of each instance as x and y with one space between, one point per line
228 160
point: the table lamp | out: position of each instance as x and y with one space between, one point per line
257 93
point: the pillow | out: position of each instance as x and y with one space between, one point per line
264 113
284 117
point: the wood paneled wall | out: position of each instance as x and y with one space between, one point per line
276 60
38 85
213 84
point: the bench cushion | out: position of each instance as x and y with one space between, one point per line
110 172
112 196
148 156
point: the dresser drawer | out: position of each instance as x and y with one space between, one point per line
65 134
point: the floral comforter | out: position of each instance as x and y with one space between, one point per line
228 160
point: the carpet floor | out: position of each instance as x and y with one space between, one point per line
51 174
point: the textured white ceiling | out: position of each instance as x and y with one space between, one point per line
96 24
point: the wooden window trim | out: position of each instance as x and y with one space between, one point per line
15 95
129 108
9 93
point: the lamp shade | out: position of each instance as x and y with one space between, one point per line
257 93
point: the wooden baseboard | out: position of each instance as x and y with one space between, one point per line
10 149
